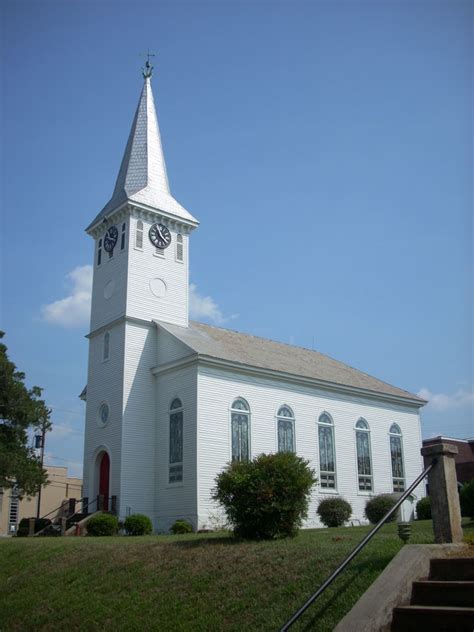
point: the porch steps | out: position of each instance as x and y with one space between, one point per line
442 603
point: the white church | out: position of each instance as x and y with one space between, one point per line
169 401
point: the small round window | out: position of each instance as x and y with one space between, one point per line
103 414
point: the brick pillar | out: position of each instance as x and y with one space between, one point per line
442 481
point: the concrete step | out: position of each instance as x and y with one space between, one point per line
437 593
452 569
432 619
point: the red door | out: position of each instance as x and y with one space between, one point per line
104 479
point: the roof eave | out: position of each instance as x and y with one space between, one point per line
208 360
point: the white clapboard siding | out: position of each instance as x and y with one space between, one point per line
177 500
145 265
138 456
104 384
111 272
218 388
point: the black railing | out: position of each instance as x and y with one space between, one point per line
355 551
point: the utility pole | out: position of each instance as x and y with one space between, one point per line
39 443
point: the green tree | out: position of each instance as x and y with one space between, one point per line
21 410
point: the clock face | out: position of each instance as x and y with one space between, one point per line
110 238
160 236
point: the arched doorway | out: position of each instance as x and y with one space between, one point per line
104 476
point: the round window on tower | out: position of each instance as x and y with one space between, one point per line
103 414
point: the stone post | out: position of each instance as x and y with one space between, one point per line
31 526
63 523
442 481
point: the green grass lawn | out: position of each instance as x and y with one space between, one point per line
194 582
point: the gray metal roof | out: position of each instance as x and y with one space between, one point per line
142 176
252 351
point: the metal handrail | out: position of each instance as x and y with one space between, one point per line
356 550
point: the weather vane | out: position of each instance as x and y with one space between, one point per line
148 70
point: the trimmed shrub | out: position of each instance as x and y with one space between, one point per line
103 524
423 508
181 526
466 498
334 511
24 526
138 524
267 497
377 507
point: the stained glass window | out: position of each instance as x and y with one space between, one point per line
240 417
364 462
327 454
396 452
176 442
286 430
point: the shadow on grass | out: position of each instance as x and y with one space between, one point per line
193 544
337 600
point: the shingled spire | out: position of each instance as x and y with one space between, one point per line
142 176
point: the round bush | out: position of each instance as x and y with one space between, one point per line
466 498
334 511
181 526
267 497
24 526
378 506
423 508
138 524
103 524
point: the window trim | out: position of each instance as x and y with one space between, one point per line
173 411
106 345
366 429
99 253
279 418
123 237
139 229
327 490
399 434
179 243
248 412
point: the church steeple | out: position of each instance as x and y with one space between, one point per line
142 176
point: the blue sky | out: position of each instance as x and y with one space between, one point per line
326 148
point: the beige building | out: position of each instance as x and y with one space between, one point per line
60 488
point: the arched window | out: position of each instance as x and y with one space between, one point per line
179 248
99 252
122 243
364 459
106 345
286 430
396 453
139 235
327 452
176 442
240 421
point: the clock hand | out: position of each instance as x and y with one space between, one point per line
160 233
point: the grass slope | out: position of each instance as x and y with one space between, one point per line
193 582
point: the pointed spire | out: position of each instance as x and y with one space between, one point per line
142 176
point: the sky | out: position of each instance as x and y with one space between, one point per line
325 147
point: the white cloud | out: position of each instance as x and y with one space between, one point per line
206 307
441 401
73 310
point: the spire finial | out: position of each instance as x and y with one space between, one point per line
148 70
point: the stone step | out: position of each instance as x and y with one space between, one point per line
432 619
452 569
442 593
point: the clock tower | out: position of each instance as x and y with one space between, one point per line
141 275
